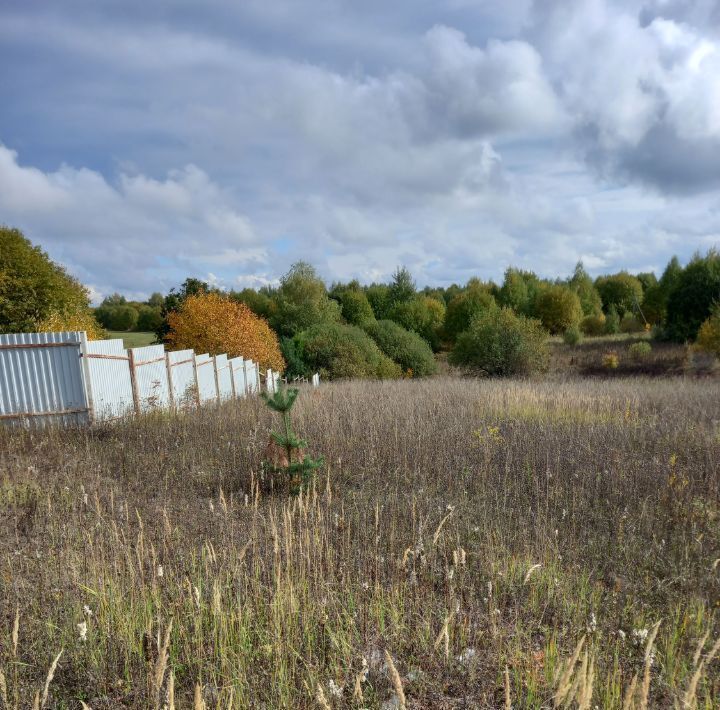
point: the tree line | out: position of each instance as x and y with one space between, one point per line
378 330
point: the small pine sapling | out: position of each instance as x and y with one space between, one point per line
295 465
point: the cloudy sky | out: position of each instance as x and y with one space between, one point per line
143 142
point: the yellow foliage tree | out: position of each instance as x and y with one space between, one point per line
708 339
211 323
79 319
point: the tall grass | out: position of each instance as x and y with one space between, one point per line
469 544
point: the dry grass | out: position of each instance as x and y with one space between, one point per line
463 540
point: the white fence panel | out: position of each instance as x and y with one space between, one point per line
207 390
151 378
181 369
237 372
61 377
108 368
252 377
42 378
224 377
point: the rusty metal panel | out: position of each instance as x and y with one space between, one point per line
205 368
151 377
42 380
108 367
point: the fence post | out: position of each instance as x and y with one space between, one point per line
217 378
232 378
197 381
133 381
168 368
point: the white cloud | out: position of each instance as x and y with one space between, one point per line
455 137
137 227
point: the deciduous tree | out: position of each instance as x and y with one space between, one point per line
212 323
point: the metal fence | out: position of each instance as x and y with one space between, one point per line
64 378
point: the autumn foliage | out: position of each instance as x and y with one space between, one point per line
211 323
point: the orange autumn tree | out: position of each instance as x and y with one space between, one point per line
212 323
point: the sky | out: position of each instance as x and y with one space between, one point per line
145 142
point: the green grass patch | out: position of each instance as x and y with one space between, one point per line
133 340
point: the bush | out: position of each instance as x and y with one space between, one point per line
302 301
640 351
622 291
407 349
294 364
117 317
593 325
465 306
422 315
215 324
573 335
612 322
149 319
708 339
611 360
631 324
499 342
343 351
558 308
356 308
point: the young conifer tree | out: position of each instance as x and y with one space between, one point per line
296 467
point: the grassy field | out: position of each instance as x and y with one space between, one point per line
470 544
133 340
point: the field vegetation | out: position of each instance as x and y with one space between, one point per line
467 544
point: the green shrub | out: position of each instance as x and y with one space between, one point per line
117 317
343 351
621 291
465 306
356 308
501 343
301 301
558 308
593 325
573 335
294 364
149 319
422 315
612 322
640 351
407 349
631 324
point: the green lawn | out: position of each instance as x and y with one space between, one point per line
133 340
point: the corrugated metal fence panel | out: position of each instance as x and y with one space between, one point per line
43 380
109 370
237 371
206 378
252 376
182 377
151 377
224 377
